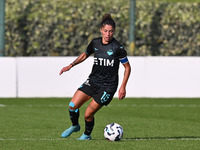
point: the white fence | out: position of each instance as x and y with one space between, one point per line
150 76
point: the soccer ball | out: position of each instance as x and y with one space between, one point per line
113 132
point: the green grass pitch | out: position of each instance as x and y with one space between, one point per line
148 123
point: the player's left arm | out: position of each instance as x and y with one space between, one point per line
122 89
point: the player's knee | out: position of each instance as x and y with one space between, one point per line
72 107
88 117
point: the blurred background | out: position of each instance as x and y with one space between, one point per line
61 29
65 27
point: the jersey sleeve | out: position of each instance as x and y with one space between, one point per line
90 49
122 55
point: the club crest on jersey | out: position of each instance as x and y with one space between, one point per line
103 62
110 52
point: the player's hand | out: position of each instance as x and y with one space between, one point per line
121 93
64 69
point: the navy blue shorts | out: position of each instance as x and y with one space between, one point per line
101 96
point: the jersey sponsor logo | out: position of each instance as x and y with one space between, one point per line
103 62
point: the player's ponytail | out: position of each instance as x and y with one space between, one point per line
107 19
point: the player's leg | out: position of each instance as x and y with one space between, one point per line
101 98
92 108
77 101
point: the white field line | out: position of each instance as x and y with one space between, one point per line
31 139
155 105
2 105
112 105
167 138
124 139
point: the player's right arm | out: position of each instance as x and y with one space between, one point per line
78 60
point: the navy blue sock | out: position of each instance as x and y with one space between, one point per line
89 127
74 115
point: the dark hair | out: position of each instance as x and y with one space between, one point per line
107 19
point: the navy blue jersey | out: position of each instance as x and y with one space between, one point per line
106 62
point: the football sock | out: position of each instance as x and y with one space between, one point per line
89 127
74 115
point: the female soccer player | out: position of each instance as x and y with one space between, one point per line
102 83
